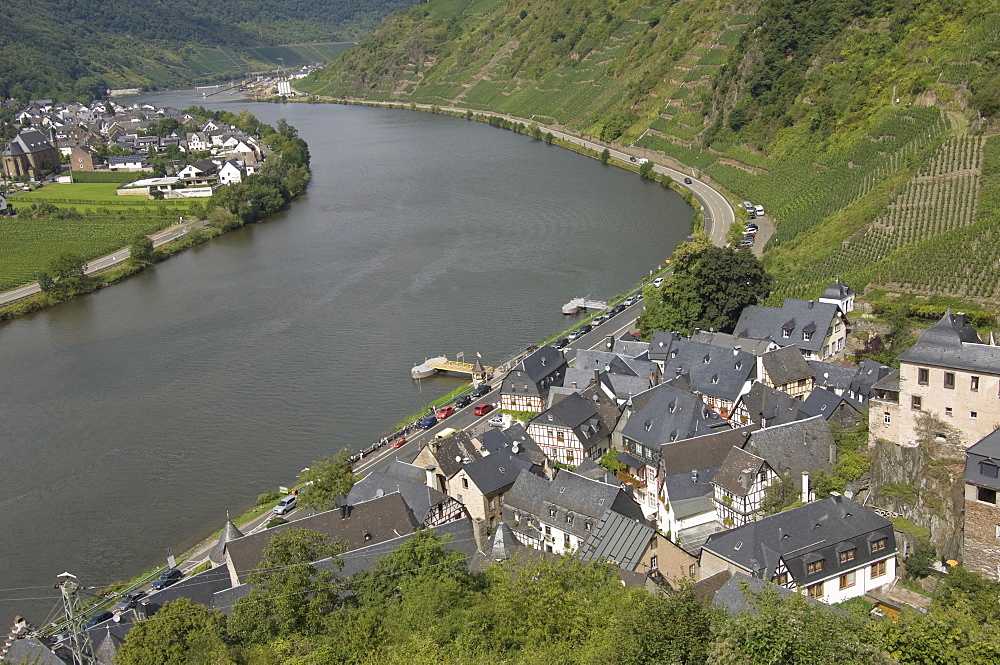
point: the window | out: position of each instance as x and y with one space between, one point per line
548 531
974 414
923 376
948 411
552 512
878 569
806 336
989 469
986 495
915 402
560 437
802 383
848 555
836 327
815 591
586 526
815 567
879 545
886 418
949 379
848 580
570 458
998 530
653 561
691 570
653 542
465 483
569 520
785 333
974 385
781 579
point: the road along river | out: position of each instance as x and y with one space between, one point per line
135 417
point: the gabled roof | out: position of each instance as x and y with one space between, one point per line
796 316
31 651
869 373
453 452
889 382
803 445
954 344
753 346
825 404
711 370
702 452
536 374
832 375
364 523
576 413
785 365
690 493
983 457
493 473
619 540
668 414
26 143
739 471
513 440
817 530
769 406
419 498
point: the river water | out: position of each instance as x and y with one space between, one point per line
133 419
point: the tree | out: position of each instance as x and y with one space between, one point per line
605 156
141 250
291 595
67 269
327 478
779 495
180 633
44 280
918 564
646 170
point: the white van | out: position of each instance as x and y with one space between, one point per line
286 504
758 210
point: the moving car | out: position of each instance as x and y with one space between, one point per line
482 409
629 301
658 282
616 310
483 389
463 401
495 421
427 422
168 577
285 505
631 159
562 343
444 412
687 181
398 442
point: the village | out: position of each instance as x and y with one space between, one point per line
109 142
678 460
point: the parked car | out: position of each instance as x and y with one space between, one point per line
629 301
658 282
748 206
750 226
562 343
463 401
444 412
631 159
427 422
482 409
495 421
749 232
687 181
100 617
598 320
482 389
287 504
167 577
753 215
130 601
759 209
617 309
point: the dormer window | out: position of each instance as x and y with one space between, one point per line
878 545
848 555
786 333
569 520
673 353
552 512
806 336
988 469
814 567
707 359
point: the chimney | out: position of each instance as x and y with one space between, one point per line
805 487
430 477
960 319
609 342
696 331
736 350
345 512
597 376
811 303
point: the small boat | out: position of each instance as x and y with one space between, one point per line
424 370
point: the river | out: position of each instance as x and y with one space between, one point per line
134 418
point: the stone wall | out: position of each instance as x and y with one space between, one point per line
982 546
924 483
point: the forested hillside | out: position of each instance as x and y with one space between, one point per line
76 48
859 125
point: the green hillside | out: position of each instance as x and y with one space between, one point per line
859 125
76 48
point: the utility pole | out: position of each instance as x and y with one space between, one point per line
79 639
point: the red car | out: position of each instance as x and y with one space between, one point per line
444 412
482 409
397 444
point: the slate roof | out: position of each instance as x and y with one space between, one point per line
579 414
452 451
502 544
419 498
666 414
981 459
26 143
796 316
826 403
690 493
739 471
753 346
494 440
31 651
370 522
711 370
619 540
199 589
817 530
832 375
889 382
733 598
838 291
702 452
614 363
804 445
535 374
493 473
869 373
769 406
952 343
785 365
229 532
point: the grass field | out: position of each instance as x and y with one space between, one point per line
91 195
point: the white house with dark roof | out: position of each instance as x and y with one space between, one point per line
839 294
739 487
786 370
573 429
829 550
717 374
981 517
765 406
818 329
526 387
950 374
